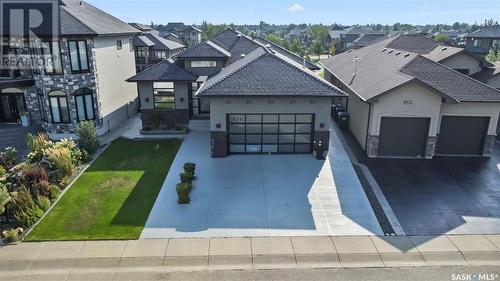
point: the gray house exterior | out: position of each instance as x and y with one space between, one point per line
257 99
481 41
83 81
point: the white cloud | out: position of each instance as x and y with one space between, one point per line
296 8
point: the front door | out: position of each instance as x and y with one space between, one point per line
10 107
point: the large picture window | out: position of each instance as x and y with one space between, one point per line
84 104
203 63
59 107
41 105
164 95
52 55
78 56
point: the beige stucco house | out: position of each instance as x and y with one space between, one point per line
410 96
259 99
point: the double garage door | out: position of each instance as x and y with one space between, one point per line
407 136
270 133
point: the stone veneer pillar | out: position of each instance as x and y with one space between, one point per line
430 147
218 144
489 143
372 146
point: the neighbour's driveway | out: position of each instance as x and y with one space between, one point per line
262 195
445 195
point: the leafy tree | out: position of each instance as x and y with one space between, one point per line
275 39
320 34
442 38
213 29
333 48
493 56
296 47
317 47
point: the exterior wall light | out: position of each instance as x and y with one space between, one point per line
322 125
147 99
217 125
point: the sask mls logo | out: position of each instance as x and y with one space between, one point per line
474 276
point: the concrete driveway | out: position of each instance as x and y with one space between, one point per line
445 195
262 195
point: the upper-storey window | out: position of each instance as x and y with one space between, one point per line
141 52
477 42
119 44
78 56
203 63
496 43
52 54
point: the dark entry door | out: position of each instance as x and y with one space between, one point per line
462 135
403 136
10 108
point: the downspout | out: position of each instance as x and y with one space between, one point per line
368 125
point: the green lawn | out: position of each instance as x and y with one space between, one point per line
114 196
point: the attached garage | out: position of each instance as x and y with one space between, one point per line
403 136
270 133
462 135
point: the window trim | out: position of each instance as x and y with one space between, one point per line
50 45
200 61
79 58
119 44
42 106
59 107
169 93
83 92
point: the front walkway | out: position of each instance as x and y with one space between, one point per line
14 135
262 195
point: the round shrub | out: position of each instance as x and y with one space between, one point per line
183 190
190 168
186 177
87 136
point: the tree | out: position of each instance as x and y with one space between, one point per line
319 33
275 39
317 47
213 29
442 38
333 48
493 56
296 47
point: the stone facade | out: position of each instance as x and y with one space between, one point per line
218 144
430 147
489 144
372 146
154 119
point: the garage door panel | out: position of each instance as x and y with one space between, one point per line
270 133
462 135
403 136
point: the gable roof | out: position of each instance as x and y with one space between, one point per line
81 18
414 43
381 69
368 38
487 73
279 49
264 73
165 71
206 49
488 32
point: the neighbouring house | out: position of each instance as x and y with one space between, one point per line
409 97
489 75
284 52
348 37
84 79
481 41
258 98
151 49
189 34
298 33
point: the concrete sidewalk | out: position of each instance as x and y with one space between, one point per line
68 260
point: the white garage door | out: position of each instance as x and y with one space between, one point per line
270 133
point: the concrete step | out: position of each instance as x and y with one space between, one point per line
199 124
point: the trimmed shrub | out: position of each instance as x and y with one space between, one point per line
11 235
190 168
44 203
4 198
37 145
186 178
183 190
87 136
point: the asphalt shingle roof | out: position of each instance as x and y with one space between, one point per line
414 43
489 32
86 19
450 82
205 49
143 41
165 71
277 48
262 73
381 69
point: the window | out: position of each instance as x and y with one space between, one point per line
159 54
203 63
78 56
59 107
41 105
52 55
164 95
119 45
141 52
496 43
477 42
84 104
193 33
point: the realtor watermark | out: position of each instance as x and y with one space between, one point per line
25 26
474 276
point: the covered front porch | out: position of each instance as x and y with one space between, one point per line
13 102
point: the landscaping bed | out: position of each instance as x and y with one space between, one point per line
113 197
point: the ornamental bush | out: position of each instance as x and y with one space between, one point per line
186 177
183 190
190 168
87 136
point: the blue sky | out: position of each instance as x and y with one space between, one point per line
302 11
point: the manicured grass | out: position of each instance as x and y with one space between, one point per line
114 196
